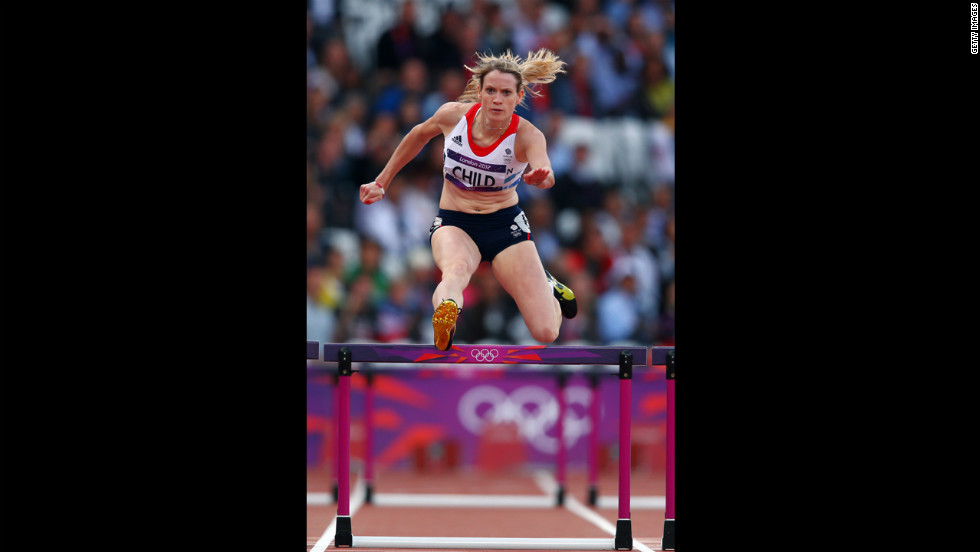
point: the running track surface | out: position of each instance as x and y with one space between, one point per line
576 519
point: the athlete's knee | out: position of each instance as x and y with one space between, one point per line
458 269
544 333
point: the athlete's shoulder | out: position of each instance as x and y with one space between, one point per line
451 112
527 131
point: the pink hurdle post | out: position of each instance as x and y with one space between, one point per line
335 420
343 537
560 468
624 531
368 432
668 538
594 440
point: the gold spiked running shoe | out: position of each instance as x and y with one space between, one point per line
444 324
565 296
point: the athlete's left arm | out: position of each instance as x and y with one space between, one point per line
536 151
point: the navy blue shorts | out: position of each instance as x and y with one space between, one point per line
492 232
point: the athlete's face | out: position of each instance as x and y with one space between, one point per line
500 95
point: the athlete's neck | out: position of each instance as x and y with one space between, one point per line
494 130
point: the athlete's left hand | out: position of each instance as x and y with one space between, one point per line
540 178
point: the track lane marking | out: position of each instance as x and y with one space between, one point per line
549 485
356 501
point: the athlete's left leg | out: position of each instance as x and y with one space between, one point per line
519 270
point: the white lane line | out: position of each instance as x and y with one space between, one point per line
356 500
462 500
548 484
319 499
483 543
652 502
542 478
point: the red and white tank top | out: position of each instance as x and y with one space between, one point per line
485 169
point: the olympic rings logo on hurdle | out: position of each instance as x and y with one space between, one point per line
484 355
532 408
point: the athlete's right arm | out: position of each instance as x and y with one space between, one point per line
443 120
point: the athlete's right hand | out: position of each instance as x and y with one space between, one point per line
371 192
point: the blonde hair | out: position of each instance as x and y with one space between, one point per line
540 67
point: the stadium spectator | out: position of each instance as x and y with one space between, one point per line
396 314
617 314
451 83
399 44
642 262
321 320
578 187
412 85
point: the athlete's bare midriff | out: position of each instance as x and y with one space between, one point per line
472 202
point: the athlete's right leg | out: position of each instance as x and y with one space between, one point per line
457 257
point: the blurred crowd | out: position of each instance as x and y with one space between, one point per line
376 68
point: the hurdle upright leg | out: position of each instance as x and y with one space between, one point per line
668 538
560 467
368 431
343 537
624 531
335 424
593 452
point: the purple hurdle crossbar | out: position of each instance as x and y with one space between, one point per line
483 354
345 353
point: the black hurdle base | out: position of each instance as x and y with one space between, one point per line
668 541
561 495
368 493
343 538
624 535
593 495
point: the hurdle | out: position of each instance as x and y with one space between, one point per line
346 354
561 378
592 374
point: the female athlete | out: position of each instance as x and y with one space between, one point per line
487 150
